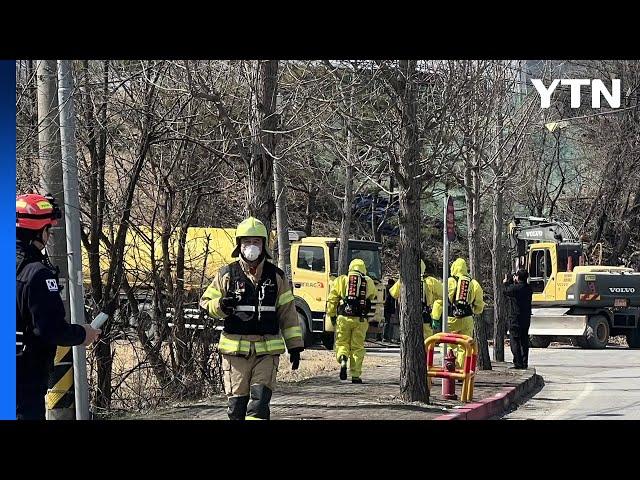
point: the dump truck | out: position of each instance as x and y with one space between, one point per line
314 265
573 301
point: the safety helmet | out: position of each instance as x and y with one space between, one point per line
35 212
251 227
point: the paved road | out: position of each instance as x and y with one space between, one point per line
579 384
583 384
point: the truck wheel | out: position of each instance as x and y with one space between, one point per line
537 341
307 336
633 338
579 342
597 332
327 340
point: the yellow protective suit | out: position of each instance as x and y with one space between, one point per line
432 292
351 331
462 325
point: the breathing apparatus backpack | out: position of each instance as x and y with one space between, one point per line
355 304
460 306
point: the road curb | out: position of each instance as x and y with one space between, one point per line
494 405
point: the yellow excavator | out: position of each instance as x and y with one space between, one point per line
584 304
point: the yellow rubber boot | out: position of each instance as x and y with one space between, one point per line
358 336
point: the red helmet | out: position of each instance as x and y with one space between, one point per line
35 212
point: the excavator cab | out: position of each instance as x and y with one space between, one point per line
543 268
540 268
550 250
570 256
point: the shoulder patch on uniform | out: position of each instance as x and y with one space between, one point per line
52 285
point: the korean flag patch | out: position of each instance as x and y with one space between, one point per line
52 285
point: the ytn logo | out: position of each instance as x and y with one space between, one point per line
597 89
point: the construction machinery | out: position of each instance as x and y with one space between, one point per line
585 304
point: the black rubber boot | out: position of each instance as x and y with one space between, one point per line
343 367
258 408
237 407
356 380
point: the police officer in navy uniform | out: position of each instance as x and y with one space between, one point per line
40 314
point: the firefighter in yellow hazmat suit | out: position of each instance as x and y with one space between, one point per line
431 292
347 305
465 300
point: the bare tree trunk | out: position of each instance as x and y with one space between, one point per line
625 236
496 269
391 187
115 274
413 375
345 225
262 121
97 151
32 78
497 249
152 351
310 209
474 226
472 192
181 344
282 215
375 226
282 220
167 285
165 237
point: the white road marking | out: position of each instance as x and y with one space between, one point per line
588 388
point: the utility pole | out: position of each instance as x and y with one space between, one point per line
59 398
72 221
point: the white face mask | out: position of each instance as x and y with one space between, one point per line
251 252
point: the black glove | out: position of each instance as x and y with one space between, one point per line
436 325
294 357
334 320
228 305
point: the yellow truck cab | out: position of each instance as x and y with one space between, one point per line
314 267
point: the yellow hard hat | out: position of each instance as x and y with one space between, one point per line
251 227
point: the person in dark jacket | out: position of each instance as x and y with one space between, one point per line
389 310
40 314
519 292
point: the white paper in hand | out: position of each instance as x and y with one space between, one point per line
99 320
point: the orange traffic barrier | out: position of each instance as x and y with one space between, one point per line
467 374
